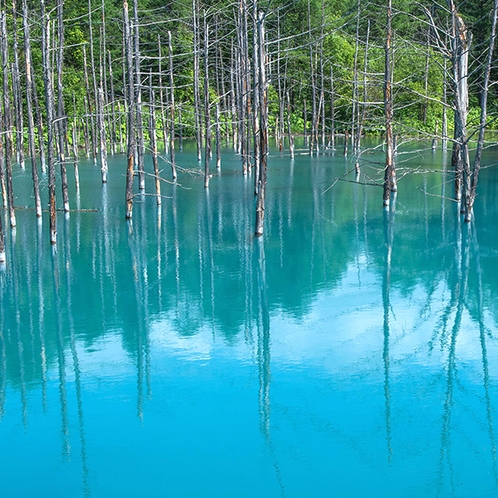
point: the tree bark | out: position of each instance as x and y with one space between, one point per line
49 107
131 115
6 118
263 115
29 109
389 171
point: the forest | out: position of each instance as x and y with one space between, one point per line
97 78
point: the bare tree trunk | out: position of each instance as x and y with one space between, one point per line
207 113
218 137
29 109
313 85
172 109
474 176
92 98
355 96
89 99
153 141
361 121
61 117
256 103
263 115
197 95
75 147
444 124
460 46
164 121
6 118
289 127
140 147
389 171
113 107
16 87
49 106
131 116
103 145
332 108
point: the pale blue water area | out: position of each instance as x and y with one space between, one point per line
350 352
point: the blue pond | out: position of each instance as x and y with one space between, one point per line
349 352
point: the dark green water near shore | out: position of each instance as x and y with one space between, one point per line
351 351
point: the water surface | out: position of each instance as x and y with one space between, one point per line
351 351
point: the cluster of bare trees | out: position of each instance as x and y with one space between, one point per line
327 77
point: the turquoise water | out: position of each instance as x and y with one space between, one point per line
350 352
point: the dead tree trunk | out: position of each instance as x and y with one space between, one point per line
61 118
470 194
29 109
113 107
207 113
16 87
140 147
289 127
460 45
332 109
131 116
390 170
153 140
256 103
6 118
197 94
164 121
218 137
172 109
263 126
49 107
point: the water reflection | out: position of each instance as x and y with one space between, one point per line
344 319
